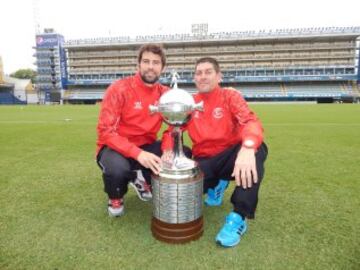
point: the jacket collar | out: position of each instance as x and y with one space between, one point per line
140 83
211 93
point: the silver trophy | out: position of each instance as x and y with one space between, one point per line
177 190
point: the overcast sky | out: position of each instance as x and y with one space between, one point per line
87 19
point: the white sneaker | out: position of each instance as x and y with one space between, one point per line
143 190
115 207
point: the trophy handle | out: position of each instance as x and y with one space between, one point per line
199 106
153 109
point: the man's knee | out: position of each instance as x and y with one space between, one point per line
114 165
262 153
261 156
118 173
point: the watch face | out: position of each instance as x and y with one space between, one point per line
249 143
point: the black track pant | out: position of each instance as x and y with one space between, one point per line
118 170
221 166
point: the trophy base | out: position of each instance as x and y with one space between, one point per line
177 233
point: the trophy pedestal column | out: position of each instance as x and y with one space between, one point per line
177 208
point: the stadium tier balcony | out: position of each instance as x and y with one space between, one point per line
317 90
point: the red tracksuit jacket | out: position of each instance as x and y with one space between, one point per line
125 122
225 121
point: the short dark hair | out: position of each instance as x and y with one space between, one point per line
155 49
210 60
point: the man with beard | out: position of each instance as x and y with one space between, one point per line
127 149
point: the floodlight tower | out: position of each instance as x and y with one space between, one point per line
36 17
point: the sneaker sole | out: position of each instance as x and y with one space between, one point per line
218 242
115 216
212 204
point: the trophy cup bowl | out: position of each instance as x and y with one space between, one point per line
176 107
177 190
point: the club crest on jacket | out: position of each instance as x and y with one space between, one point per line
218 113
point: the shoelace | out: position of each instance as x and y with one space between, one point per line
141 185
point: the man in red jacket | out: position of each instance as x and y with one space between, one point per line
127 149
227 143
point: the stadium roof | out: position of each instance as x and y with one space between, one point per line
6 85
223 36
18 83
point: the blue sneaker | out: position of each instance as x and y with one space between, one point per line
231 232
216 195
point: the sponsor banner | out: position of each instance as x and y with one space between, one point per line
63 68
47 41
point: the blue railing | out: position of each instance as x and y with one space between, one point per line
235 79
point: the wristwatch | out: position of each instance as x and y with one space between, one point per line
248 144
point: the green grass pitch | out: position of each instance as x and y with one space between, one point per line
52 204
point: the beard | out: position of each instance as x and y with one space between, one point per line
149 79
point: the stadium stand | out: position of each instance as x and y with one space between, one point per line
12 91
282 64
7 95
